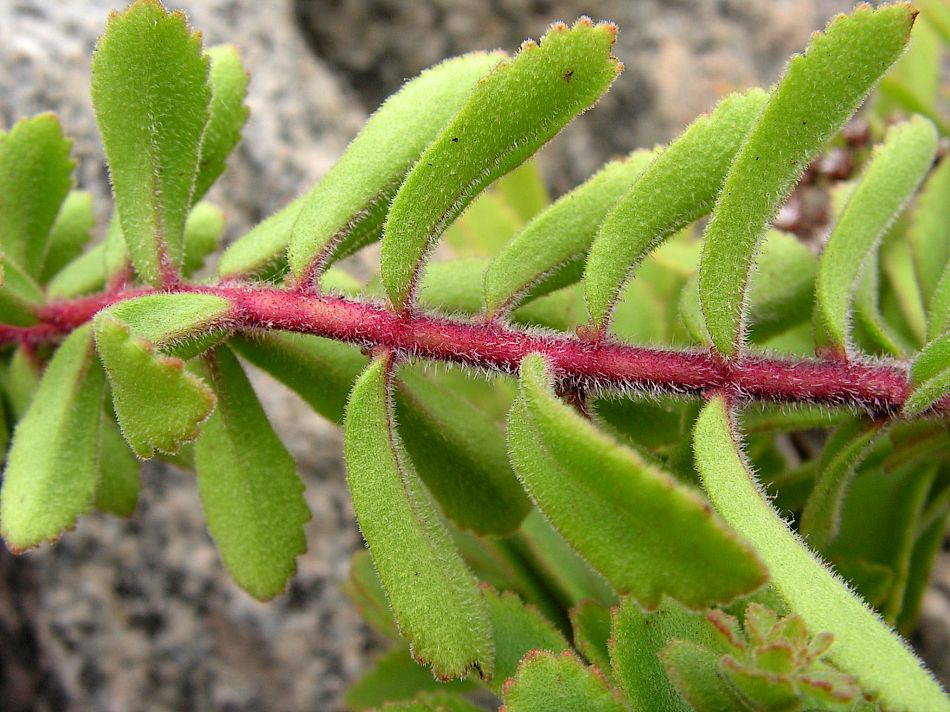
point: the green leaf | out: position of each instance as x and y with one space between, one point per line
550 251
939 320
263 250
872 331
938 15
924 554
180 324
633 522
819 92
929 376
524 190
864 646
151 94
893 174
203 232
679 187
590 624
844 450
321 371
564 572
117 491
782 291
928 232
694 671
547 86
433 595
19 295
432 702
227 115
636 639
251 494
365 590
395 677
21 379
518 629
69 234
897 264
52 467
459 452
158 404
559 683
84 275
35 177
485 227
346 209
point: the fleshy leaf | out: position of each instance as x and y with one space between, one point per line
251 494
550 83
434 597
518 629
678 188
634 523
782 290
21 379
19 295
549 252
177 324
546 681
151 94
395 677
227 115
459 452
203 232
636 639
864 646
35 177
930 376
844 450
320 371
939 319
69 234
896 169
158 404
52 467
365 590
432 702
84 275
346 209
928 232
819 92
117 491
590 624
694 671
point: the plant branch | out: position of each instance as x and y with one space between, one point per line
880 387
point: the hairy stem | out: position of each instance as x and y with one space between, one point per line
879 387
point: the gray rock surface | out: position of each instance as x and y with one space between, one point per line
140 615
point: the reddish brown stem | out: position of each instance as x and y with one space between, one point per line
879 387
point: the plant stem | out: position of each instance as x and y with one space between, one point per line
879 387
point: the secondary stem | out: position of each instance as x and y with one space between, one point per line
880 387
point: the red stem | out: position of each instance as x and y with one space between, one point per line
879 387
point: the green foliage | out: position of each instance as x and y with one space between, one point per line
434 597
139 378
865 648
684 179
550 251
552 83
35 177
608 546
893 174
363 182
559 683
601 496
250 491
52 467
151 94
819 92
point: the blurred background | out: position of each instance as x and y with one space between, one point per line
139 614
